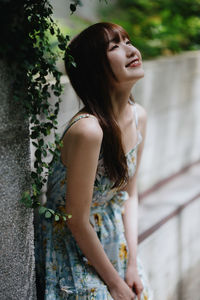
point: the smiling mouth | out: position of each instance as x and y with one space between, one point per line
134 63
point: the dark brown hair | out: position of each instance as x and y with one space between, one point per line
90 77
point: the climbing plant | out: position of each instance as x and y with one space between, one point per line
25 46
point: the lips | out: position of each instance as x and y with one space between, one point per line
134 63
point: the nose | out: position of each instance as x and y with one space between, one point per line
130 51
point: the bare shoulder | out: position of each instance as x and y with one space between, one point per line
86 128
85 133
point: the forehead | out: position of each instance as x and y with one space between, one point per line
116 34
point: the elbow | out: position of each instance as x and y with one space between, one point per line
77 225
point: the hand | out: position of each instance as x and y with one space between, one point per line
121 291
133 281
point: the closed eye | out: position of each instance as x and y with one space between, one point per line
128 42
113 47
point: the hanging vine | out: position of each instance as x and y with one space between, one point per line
26 47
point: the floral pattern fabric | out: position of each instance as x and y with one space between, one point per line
63 270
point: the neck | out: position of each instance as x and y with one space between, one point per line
119 98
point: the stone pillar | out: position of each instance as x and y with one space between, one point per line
17 275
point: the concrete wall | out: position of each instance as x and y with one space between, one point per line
169 229
171 256
170 92
17 278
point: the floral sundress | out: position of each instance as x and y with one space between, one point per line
63 272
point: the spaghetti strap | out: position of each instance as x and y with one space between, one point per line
136 115
74 121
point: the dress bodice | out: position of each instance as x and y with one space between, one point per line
103 190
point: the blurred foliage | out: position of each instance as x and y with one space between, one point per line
157 27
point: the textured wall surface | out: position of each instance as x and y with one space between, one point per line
17 279
171 256
171 253
170 92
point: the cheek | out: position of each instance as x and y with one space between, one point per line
115 62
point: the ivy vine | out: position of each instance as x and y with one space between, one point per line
25 45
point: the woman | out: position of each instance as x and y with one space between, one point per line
93 255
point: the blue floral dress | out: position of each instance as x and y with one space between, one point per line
62 269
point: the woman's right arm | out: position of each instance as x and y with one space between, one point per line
80 154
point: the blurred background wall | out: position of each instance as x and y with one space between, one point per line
170 92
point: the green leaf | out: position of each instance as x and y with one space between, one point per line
67 37
34 175
44 152
38 154
62 46
52 30
45 165
41 142
34 134
35 144
35 190
57 218
73 64
56 93
47 214
39 170
51 211
48 131
42 210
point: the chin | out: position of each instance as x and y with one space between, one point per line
142 75
138 76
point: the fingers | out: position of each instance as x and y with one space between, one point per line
133 293
138 291
134 297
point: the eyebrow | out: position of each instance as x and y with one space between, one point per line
113 40
116 39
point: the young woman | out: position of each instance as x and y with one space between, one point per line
93 255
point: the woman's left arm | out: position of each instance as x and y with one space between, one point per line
130 216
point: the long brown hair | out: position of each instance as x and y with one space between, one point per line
90 77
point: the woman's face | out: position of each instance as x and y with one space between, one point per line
125 60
